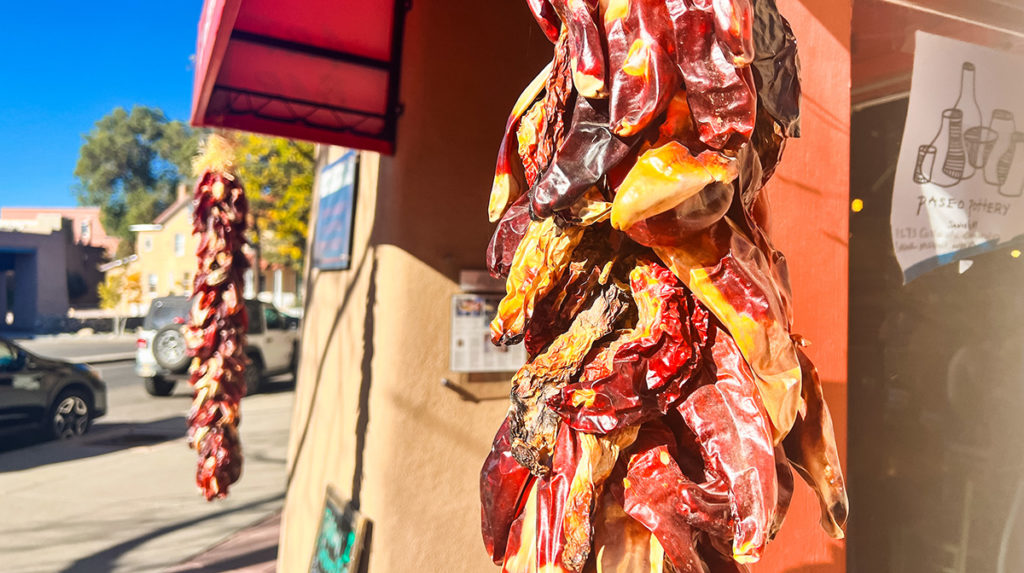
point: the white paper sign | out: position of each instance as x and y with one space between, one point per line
471 348
960 174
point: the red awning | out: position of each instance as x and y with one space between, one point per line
319 70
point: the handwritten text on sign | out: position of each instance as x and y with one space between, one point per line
960 173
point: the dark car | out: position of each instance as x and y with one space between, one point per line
60 398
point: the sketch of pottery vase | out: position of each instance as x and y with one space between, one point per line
1011 164
942 161
1003 126
967 102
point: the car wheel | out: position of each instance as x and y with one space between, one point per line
157 386
253 376
169 348
71 414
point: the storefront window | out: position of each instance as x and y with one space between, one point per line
936 390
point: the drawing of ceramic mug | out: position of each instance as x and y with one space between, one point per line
978 143
925 163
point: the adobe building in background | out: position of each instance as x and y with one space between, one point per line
33 278
165 260
85 224
380 417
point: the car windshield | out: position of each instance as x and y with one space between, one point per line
164 311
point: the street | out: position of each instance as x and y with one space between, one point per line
75 348
123 497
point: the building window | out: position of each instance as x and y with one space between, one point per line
147 244
179 245
84 231
186 282
152 283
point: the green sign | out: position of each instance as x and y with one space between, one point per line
339 540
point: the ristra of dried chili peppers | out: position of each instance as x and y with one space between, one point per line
665 402
218 321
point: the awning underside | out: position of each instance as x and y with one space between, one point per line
319 70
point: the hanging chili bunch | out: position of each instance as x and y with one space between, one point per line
665 402
217 320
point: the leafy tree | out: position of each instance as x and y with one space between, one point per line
130 165
119 289
278 178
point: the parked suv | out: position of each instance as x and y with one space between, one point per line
161 358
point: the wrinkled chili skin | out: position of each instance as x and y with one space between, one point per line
507 236
777 67
711 78
643 375
589 150
502 483
546 17
641 45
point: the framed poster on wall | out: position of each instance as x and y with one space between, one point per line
336 193
339 538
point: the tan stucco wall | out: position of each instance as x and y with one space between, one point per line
420 218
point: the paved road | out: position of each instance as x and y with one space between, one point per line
75 348
122 498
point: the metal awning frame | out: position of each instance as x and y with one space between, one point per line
297 124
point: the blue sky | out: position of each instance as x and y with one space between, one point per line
64 65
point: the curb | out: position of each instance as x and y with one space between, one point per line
105 358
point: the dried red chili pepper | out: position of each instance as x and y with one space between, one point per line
586 46
811 447
644 77
721 95
735 436
588 151
532 421
503 483
509 182
218 322
731 277
546 18
776 67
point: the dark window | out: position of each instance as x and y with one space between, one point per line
164 311
275 320
252 307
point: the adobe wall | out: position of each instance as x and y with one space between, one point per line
371 417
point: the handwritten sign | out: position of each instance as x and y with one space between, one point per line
336 190
960 173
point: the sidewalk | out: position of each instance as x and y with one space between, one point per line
250 550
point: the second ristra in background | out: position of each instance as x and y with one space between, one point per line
665 401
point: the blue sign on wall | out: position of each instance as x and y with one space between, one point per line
332 238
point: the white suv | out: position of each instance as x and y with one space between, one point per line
161 357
